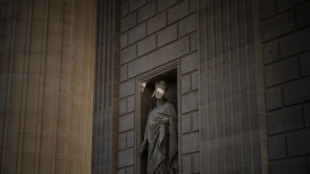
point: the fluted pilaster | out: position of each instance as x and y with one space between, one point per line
47 75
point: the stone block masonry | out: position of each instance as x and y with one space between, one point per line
286 55
154 33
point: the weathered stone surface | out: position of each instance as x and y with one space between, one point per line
130 139
188 25
194 41
196 162
295 43
123 73
123 40
122 141
289 166
147 11
187 164
286 4
285 119
127 88
189 102
307 114
125 158
134 4
305 63
126 122
271 52
124 8
177 12
303 15
277 146
186 84
195 121
128 22
137 33
273 97
186 123
158 57
298 142
268 8
130 103
278 25
190 143
122 106
281 71
296 91
163 4
146 45
189 63
155 23
193 5
128 54
194 78
167 35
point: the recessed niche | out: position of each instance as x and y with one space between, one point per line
147 104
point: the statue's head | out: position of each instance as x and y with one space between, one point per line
160 90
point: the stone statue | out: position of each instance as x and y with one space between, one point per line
161 134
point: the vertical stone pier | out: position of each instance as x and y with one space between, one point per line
46 91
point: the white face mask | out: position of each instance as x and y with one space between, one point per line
159 93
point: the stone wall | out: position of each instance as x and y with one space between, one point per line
154 34
286 58
46 85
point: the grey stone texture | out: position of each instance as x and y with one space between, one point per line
155 33
307 114
163 4
298 142
125 158
286 4
277 146
187 25
190 143
186 84
128 54
134 4
126 88
126 123
147 11
177 12
273 97
128 21
157 22
296 91
271 52
303 15
278 25
289 166
147 45
305 63
137 33
281 71
286 69
167 35
189 102
285 119
268 8
295 43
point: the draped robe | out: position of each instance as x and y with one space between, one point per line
162 140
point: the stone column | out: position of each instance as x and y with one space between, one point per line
46 85
105 125
233 133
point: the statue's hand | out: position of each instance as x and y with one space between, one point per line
163 120
143 146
